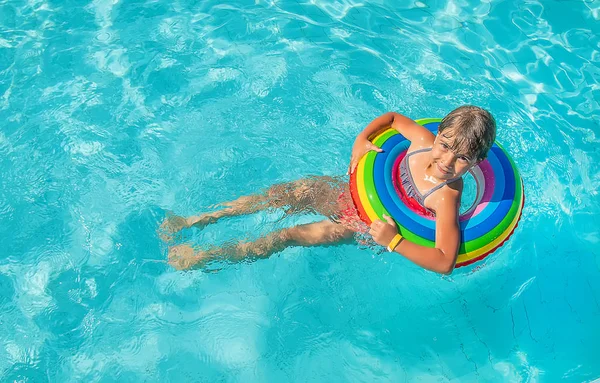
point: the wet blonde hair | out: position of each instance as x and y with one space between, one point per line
473 130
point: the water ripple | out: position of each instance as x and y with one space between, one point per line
114 112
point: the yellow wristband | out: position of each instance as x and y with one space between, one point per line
394 242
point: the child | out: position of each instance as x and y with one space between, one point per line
431 176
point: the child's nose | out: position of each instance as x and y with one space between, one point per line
449 159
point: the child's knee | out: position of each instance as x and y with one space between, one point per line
293 236
314 234
288 234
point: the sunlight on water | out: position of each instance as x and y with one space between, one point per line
114 113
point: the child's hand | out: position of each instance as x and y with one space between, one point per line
361 147
383 232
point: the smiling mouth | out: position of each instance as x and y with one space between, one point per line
443 170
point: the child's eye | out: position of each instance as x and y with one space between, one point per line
445 146
463 158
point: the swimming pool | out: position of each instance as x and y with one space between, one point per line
114 112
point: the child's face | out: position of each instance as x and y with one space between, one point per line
448 163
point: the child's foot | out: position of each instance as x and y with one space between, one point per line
171 225
182 257
199 221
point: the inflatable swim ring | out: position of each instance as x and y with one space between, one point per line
484 227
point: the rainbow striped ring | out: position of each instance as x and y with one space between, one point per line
484 227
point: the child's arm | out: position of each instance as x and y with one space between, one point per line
404 125
440 259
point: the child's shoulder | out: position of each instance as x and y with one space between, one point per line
422 137
409 128
448 195
455 186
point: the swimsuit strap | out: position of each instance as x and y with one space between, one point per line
408 182
412 187
418 151
437 187
406 178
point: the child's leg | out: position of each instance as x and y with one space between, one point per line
313 234
317 194
243 205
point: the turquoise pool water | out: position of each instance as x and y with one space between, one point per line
113 112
